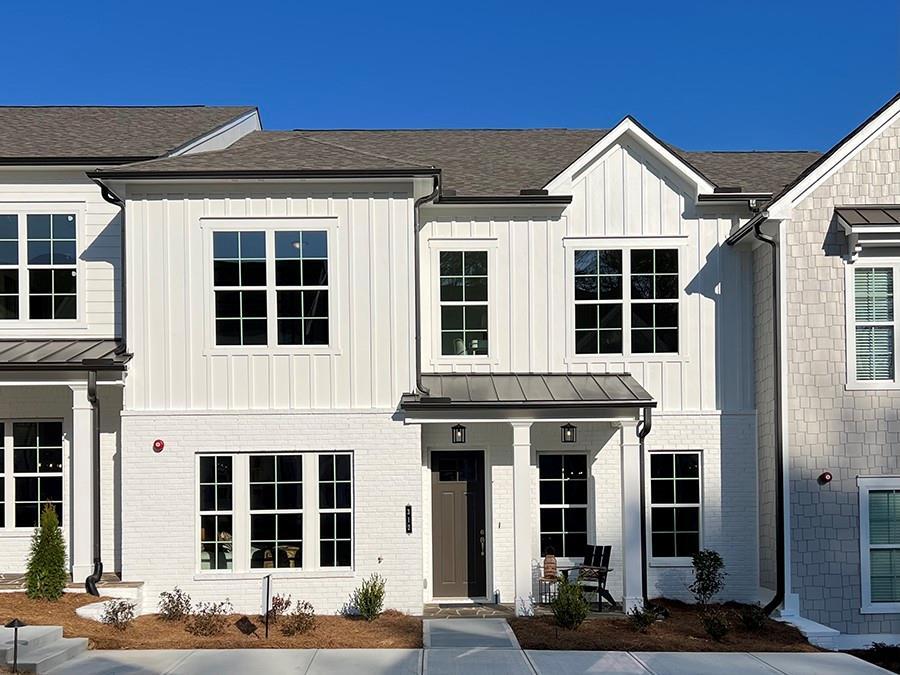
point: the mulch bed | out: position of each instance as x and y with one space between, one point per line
391 630
682 631
885 656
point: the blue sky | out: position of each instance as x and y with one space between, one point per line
759 74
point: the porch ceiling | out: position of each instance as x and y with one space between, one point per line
528 390
25 355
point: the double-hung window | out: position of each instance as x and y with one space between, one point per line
873 295
9 267
675 504
335 510
301 282
626 301
879 538
216 512
37 470
276 511
563 494
239 282
464 303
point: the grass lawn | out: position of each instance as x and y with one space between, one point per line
682 631
391 629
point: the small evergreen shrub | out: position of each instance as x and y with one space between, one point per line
46 575
301 620
716 623
280 606
569 607
208 618
368 599
643 617
174 606
118 613
709 576
753 617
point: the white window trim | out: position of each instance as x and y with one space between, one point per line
867 484
240 509
591 522
329 224
626 245
22 210
659 561
432 276
852 383
9 503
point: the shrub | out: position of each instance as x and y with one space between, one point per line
174 606
715 621
753 617
208 618
569 607
280 606
302 619
643 617
709 576
368 599
46 576
118 613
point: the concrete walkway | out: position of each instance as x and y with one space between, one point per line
459 647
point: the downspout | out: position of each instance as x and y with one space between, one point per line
420 388
90 583
643 429
778 598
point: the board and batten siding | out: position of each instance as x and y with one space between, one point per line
31 190
623 199
176 366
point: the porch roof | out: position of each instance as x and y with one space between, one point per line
529 390
56 354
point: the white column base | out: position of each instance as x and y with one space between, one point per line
630 603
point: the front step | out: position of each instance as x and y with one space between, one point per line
43 659
30 637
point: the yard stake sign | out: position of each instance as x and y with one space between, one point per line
266 603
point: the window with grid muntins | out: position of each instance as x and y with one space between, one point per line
51 266
654 301
598 302
884 545
216 512
563 493
335 510
37 470
874 318
239 285
276 511
9 267
301 282
674 504
464 303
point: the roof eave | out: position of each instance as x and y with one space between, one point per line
545 200
262 174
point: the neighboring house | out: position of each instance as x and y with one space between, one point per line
428 354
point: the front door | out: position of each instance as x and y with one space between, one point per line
458 534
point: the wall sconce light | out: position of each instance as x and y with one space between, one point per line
568 433
458 434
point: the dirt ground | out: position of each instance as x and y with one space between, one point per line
391 629
681 632
885 656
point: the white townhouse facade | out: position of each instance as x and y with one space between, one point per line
434 355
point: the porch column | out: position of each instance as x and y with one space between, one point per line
522 525
631 521
81 511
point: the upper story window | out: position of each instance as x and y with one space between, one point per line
464 303
626 293
874 323
38 266
262 274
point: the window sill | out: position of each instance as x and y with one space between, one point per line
880 608
264 350
581 359
671 562
276 574
16 532
873 385
53 325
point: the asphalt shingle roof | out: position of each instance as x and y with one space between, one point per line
473 162
105 132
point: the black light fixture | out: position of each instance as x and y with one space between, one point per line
458 434
568 433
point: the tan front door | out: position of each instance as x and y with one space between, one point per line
458 524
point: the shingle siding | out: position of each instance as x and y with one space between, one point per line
849 433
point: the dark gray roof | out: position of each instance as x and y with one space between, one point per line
62 355
529 390
473 162
104 133
888 214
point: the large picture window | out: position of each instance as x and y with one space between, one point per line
37 470
675 504
464 303
626 301
874 323
563 503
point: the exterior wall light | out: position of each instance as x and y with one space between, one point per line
568 433
458 434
